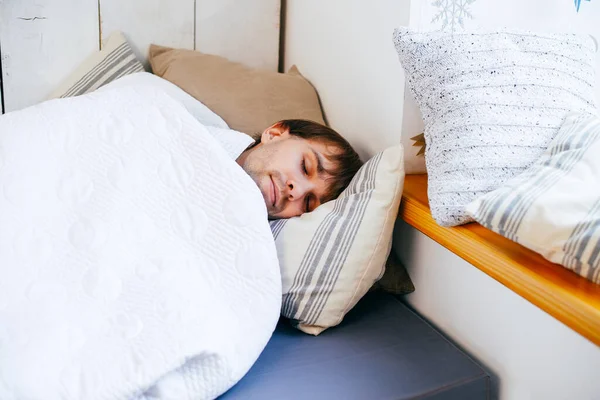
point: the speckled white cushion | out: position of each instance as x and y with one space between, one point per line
491 103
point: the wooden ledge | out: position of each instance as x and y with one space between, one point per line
571 299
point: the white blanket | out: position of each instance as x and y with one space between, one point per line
136 260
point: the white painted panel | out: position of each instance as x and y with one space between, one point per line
42 42
246 31
345 48
531 354
164 22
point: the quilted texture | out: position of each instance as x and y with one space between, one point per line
491 103
233 142
198 110
553 208
331 257
135 254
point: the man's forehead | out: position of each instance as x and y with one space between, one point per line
325 151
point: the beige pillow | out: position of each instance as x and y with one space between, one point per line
331 257
248 99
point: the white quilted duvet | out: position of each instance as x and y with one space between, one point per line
136 260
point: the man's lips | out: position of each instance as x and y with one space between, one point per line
273 192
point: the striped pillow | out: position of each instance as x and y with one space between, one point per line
332 256
116 59
491 103
553 208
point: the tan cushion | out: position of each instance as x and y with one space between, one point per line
395 279
248 99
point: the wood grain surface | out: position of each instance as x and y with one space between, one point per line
563 294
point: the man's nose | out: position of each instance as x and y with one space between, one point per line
297 188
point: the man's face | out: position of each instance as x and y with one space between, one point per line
289 171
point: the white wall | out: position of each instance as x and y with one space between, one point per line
344 47
43 41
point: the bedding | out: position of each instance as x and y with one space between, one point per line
198 110
491 104
136 257
553 207
395 279
248 99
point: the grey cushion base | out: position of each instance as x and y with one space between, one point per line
382 350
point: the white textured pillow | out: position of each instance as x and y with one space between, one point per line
491 103
331 257
553 208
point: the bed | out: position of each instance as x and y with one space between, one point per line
139 301
382 350
461 335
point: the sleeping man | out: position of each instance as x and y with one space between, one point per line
299 165
136 254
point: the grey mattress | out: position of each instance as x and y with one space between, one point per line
382 350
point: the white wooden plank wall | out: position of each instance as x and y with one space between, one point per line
172 22
256 21
43 41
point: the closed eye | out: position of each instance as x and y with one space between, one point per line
304 166
307 205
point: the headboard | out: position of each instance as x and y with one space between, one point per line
344 47
43 41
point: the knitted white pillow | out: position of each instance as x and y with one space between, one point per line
491 103
331 257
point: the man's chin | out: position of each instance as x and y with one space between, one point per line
274 217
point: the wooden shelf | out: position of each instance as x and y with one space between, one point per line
568 297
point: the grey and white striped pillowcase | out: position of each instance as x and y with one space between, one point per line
114 61
119 62
554 206
339 228
331 257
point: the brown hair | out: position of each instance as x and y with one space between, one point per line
345 159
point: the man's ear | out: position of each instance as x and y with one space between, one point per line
274 132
